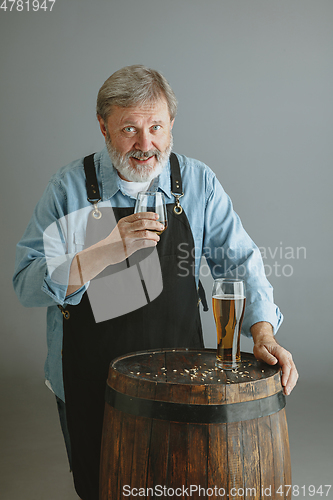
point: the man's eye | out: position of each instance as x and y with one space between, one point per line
156 127
129 129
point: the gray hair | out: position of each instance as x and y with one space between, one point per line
134 85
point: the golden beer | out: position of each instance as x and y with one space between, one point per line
228 312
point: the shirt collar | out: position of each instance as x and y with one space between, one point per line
110 178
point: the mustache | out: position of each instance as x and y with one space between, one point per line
140 155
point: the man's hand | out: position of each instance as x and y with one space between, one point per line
267 349
130 234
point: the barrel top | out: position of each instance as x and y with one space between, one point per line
190 366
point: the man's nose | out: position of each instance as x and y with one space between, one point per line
143 141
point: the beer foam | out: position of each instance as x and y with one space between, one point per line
229 296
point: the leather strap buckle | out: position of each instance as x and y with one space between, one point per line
178 209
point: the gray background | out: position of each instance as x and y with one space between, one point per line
254 82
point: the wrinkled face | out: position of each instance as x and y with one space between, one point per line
139 139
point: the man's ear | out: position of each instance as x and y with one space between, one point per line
102 125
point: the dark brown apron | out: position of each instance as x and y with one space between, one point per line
170 320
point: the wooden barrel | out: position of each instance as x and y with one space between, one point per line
176 426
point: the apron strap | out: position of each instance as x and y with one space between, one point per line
176 180
92 185
176 183
202 297
91 179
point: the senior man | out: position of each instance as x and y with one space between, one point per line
84 247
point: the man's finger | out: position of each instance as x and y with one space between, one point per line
289 373
292 380
140 216
269 358
289 377
146 224
286 369
261 352
133 225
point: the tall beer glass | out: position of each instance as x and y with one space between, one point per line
228 308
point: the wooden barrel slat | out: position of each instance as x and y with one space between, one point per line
160 436
279 439
140 451
178 455
200 395
266 453
271 385
180 393
163 392
112 435
197 443
218 471
142 438
251 459
126 452
126 441
143 448
197 454
246 391
213 395
235 457
285 440
158 453
277 446
232 394
179 433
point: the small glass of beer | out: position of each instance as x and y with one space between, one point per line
228 308
152 201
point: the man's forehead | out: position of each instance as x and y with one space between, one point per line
155 111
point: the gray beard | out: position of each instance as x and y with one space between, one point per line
143 173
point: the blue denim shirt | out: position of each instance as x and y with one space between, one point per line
217 232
